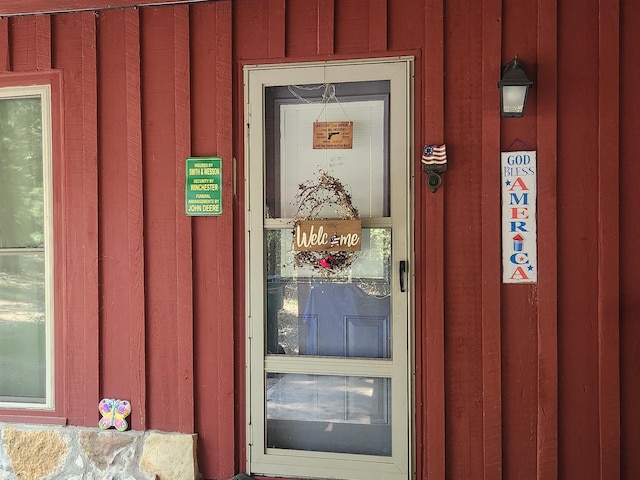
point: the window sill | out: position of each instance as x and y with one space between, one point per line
35 419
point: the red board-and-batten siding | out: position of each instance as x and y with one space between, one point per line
147 289
512 381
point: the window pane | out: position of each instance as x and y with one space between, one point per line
21 187
23 332
22 329
329 413
346 315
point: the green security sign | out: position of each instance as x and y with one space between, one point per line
203 187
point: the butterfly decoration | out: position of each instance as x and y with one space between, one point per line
113 413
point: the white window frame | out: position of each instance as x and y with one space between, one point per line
44 93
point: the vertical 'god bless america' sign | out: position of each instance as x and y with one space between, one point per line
519 229
327 235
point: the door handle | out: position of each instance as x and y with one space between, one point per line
403 271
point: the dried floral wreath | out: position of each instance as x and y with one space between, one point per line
313 198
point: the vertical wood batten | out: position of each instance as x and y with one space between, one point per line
378 25
547 126
277 22
577 211
76 55
609 237
135 216
5 63
43 42
213 245
184 254
629 232
326 27
166 137
431 382
491 255
121 232
518 302
463 224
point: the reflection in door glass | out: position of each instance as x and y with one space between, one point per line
329 413
291 159
348 315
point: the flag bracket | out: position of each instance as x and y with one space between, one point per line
434 163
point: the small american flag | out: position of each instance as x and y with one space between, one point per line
334 241
435 155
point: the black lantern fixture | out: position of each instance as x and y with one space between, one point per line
513 86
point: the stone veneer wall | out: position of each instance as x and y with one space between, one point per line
31 452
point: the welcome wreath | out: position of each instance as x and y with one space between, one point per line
313 199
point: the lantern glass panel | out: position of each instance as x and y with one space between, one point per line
513 98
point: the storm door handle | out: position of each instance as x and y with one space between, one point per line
403 271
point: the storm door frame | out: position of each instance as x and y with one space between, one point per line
261 460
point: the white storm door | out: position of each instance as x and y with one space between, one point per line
328 392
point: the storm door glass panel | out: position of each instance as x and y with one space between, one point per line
291 159
311 312
361 168
344 316
347 314
325 413
23 311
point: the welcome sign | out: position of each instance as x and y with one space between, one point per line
321 235
519 229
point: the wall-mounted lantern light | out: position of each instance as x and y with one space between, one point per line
513 86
